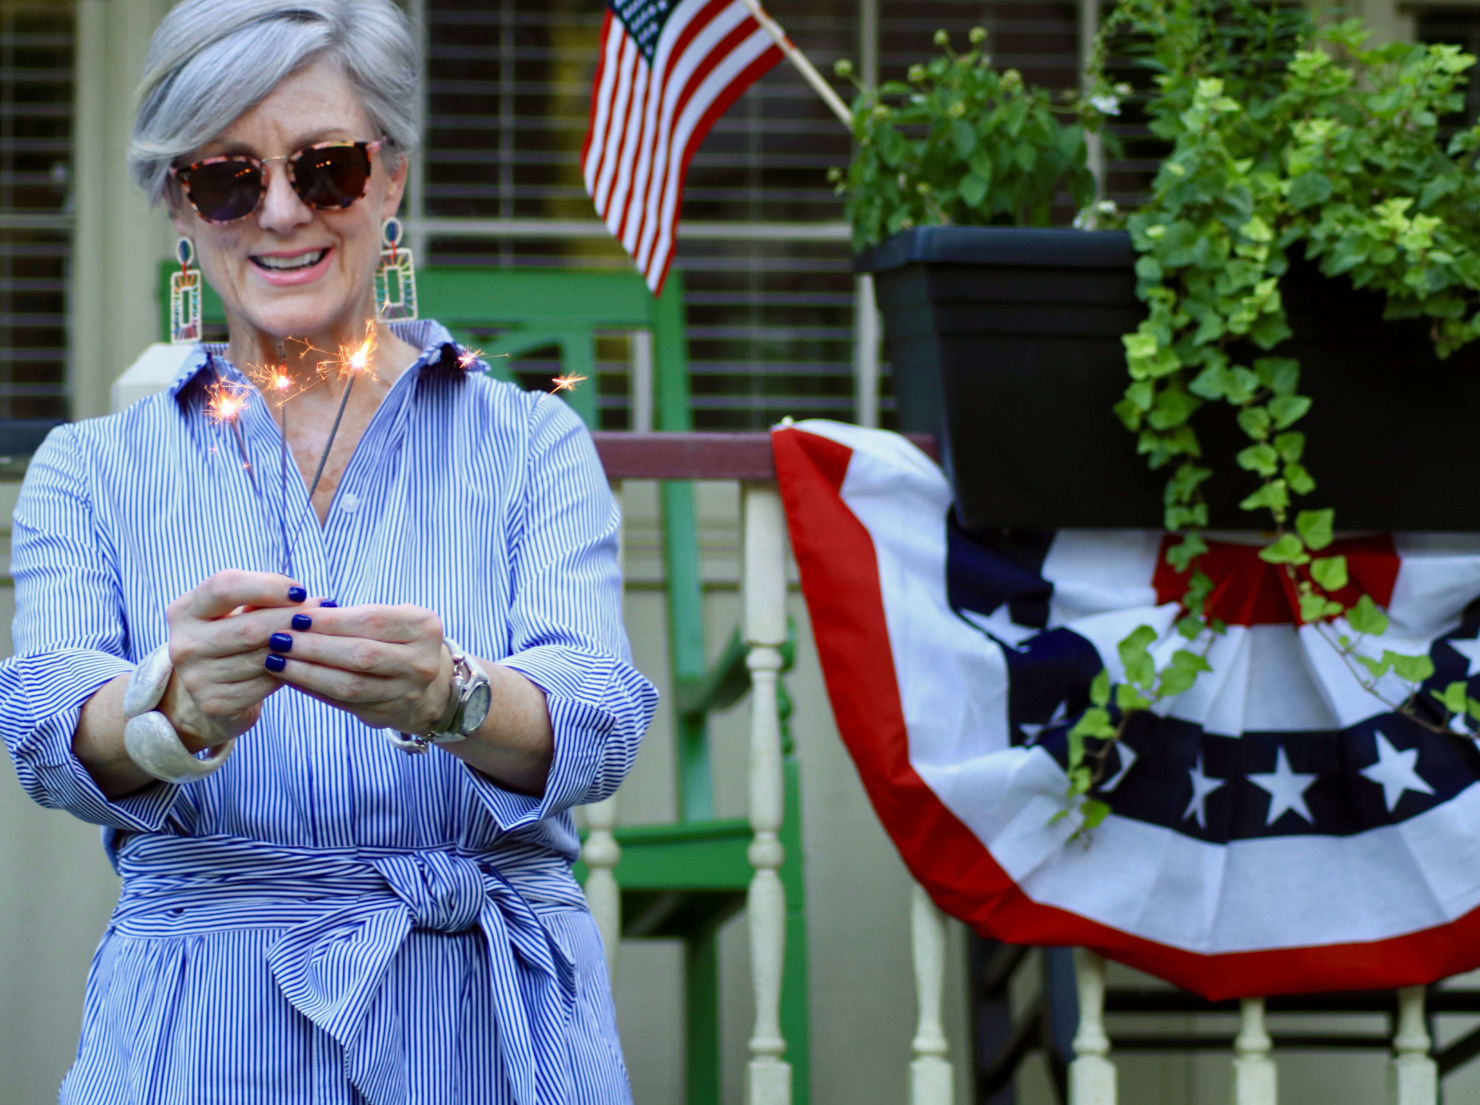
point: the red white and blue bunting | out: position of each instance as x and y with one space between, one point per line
1277 829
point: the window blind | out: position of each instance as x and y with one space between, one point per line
770 309
35 223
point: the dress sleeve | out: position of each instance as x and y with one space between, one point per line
566 632
69 635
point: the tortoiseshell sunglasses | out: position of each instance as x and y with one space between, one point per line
329 176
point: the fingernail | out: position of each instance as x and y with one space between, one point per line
274 662
329 604
297 594
280 642
302 622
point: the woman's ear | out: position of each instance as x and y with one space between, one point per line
182 215
395 186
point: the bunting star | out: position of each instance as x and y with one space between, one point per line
1127 761
1396 772
1202 786
1286 790
1469 648
1031 731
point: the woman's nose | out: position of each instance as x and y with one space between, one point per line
282 209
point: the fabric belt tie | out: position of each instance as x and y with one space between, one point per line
331 964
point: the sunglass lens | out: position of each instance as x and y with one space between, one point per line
225 190
334 176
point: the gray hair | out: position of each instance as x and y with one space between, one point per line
212 60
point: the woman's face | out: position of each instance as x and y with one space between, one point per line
288 269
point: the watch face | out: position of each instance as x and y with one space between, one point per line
475 709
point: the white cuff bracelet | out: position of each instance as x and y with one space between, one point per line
149 738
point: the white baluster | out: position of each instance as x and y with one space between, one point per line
1413 1077
603 897
1255 1077
768 1075
930 1071
1091 1074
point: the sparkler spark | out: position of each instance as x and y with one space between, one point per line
225 401
357 360
567 382
469 357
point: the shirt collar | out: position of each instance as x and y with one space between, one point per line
428 335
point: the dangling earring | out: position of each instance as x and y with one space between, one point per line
185 328
395 277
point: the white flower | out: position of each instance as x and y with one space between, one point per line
1105 104
1089 218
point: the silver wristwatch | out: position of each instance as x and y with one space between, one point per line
467 706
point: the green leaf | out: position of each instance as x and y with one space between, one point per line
973 189
1128 698
1273 496
1315 527
1259 458
1287 550
1190 661
963 136
1309 189
1365 617
1280 375
1378 668
1286 410
1453 697
1094 722
1181 555
1099 689
1290 446
1315 607
1134 654
1093 812
1411 669
1299 479
1175 681
1254 421
1330 572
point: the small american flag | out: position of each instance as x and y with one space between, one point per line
668 70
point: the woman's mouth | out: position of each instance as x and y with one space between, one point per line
291 268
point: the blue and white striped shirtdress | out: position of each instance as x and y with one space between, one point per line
326 919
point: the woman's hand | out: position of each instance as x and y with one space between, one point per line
387 665
219 636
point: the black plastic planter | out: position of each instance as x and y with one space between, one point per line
1005 343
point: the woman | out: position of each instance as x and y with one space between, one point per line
311 914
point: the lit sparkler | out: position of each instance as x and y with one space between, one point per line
469 357
225 401
567 382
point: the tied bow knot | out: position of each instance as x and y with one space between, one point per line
443 891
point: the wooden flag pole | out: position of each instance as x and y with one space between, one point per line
799 59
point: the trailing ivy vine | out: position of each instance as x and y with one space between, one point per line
1287 141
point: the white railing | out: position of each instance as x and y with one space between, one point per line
930 1080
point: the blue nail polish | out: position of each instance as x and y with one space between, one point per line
280 642
297 594
274 662
329 604
302 622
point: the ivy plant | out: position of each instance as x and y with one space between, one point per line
1287 141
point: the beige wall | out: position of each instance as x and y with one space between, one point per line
119 239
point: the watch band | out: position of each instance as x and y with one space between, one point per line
467 680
